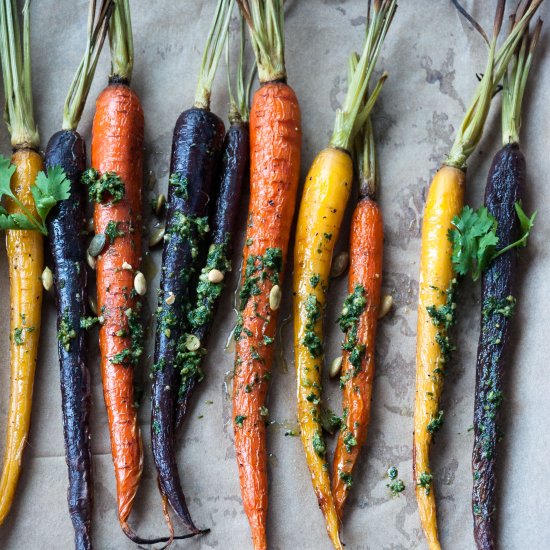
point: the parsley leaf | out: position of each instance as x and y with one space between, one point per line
474 239
49 188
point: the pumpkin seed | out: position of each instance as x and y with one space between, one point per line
192 343
386 304
157 235
339 265
91 260
140 283
160 203
170 299
335 367
126 266
215 276
97 244
275 297
47 279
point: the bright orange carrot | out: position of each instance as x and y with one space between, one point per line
275 142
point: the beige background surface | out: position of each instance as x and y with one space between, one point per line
432 58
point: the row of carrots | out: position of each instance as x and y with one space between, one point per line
45 196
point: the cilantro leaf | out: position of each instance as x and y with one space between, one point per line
474 239
6 172
15 221
49 188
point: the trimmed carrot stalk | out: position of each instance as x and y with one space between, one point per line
436 308
326 193
25 264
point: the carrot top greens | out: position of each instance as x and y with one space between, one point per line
238 104
353 114
471 129
515 80
265 20
121 41
80 86
212 52
16 72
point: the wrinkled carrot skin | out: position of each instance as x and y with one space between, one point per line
275 143
445 201
366 254
326 193
25 264
117 146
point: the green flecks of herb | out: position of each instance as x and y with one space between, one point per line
349 441
158 366
504 306
314 280
393 472
49 188
249 242
112 231
318 443
239 420
264 411
311 339
208 292
179 184
102 187
435 423
313 398
65 332
86 323
396 487
425 481
188 363
347 478
474 239
121 357
18 336
328 236
267 340
329 420
156 427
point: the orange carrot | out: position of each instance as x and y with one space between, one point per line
275 142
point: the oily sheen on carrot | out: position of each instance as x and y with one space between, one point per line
275 140
25 264
117 146
366 251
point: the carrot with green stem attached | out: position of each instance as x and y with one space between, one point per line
326 193
30 194
275 144
436 307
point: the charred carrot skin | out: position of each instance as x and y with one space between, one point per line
196 147
275 143
66 225
232 174
505 186
366 245
25 265
117 146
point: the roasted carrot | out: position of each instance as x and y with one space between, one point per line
326 193
196 150
359 320
436 307
25 215
66 225
232 173
114 183
275 144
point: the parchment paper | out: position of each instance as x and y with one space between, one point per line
432 57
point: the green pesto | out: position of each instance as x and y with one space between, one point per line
208 292
65 332
131 355
189 364
349 441
18 336
347 478
86 323
112 231
393 472
425 481
258 269
311 339
239 420
319 445
191 230
314 280
99 188
353 308
504 306
435 423
179 185
396 487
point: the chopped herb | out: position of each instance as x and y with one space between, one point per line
87 323
435 423
179 183
109 184
112 231
314 280
18 336
65 332
347 478
393 472
425 481
396 487
239 420
319 445
349 441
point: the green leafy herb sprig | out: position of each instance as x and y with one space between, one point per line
49 188
475 240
